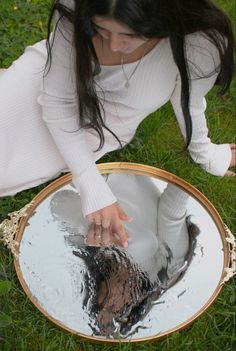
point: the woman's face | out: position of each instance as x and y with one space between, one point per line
119 37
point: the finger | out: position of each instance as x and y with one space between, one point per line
120 231
90 218
106 222
123 216
89 240
106 237
230 174
102 236
232 146
115 240
97 219
97 235
115 237
94 235
129 238
233 159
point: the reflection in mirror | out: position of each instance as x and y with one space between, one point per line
111 292
121 285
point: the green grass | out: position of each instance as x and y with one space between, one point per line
157 143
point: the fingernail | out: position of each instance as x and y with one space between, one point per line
125 244
130 219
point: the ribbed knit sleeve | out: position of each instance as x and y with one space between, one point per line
171 219
58 99
204 64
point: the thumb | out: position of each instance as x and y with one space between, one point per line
123 216
230 174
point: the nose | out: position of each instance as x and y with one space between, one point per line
116 43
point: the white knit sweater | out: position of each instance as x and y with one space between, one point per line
155 82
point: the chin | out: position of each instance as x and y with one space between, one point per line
127 51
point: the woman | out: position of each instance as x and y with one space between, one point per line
109 65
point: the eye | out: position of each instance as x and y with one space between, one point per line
133 35
97 28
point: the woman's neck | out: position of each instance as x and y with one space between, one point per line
109 58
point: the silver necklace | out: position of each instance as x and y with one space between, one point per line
127 83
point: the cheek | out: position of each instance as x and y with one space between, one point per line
135 43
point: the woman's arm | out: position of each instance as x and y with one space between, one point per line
203 59
59 106
60 112
171 220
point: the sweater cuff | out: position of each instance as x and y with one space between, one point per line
173 202
94 191
220 160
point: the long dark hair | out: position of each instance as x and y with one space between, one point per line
151 19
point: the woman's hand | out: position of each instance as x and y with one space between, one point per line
99 236
233 161
106 226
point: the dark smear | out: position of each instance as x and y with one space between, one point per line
158 302
182 293
117 294
32 215
106 176
202 251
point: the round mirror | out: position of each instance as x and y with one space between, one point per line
170 273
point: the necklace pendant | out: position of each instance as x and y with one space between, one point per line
127 84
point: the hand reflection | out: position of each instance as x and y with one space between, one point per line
98 236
